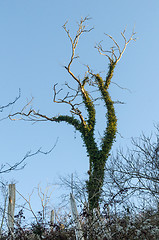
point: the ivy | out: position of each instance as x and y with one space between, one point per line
97 156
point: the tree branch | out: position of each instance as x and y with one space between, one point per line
7 168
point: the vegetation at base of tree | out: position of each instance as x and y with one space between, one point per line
125 225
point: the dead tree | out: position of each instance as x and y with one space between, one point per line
78 97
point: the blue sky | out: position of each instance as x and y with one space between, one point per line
33 50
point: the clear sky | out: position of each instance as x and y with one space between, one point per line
33 50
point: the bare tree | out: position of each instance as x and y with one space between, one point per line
136 172
77 98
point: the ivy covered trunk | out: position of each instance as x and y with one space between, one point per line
98 157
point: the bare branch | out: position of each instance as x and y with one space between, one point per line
11 103
110 54
28 201
69 99
7 168
121 87
74 42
